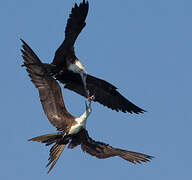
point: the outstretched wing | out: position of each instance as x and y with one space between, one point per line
102 150
104 92
75 24
49 90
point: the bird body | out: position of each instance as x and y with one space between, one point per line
72 130
65 58
80 122
98 149
76 67
51 96
70 71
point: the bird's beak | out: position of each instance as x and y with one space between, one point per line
84 77
88 106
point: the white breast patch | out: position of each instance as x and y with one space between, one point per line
77 67
75 129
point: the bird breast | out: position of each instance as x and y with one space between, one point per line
79 122
76 127
76 67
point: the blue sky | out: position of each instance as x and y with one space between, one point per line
143 47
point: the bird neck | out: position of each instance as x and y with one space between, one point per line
82 119
76 67
80 122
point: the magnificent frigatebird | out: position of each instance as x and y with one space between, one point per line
72 129
65 58
68 69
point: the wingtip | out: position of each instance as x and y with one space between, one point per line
150 157
24 45
49 168
141 111
22 41
131 111
85 4
48 171
135 110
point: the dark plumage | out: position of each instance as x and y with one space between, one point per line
104 92
88 145
65 53
72 128
68 69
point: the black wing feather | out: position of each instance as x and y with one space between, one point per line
104 92
75 24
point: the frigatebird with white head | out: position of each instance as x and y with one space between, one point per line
72 130
69 70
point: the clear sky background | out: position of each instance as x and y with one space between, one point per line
144 47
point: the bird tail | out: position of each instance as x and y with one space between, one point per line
55 153
133 157
48 139
56 149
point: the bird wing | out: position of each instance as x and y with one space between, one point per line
49 90
104 92
102 150
75 24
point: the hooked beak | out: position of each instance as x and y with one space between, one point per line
84 77
86 105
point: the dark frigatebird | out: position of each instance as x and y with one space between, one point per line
71 129
65 58
68 69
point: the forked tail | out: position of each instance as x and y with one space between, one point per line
56 149
48 139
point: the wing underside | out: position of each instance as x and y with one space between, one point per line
104 92
49 90
102 150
